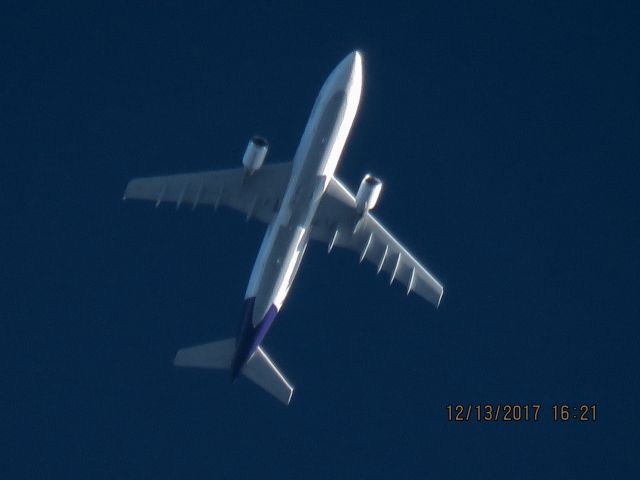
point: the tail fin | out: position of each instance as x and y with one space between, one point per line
219 355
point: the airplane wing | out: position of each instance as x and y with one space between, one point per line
336 223
257 195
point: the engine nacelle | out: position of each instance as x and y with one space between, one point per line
255 154
368 193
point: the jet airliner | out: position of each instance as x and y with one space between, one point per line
298 200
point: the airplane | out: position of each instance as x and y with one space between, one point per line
298 200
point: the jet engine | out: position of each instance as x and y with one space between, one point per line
368 193
255 153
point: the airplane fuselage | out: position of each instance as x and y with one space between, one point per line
287 235
298 201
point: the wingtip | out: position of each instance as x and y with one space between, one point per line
126 190
440 299
176 359
180 359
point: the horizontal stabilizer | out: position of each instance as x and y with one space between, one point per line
219 355
208 355
261 370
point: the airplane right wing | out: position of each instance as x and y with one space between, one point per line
338 224
257 195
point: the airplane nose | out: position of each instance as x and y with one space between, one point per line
348 69
351 63
346 77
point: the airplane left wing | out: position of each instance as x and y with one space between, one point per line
337 223
257 195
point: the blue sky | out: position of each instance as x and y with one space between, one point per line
506 136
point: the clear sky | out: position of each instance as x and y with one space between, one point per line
507 138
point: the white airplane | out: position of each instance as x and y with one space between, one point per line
299 200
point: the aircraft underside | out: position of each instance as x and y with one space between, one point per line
299 201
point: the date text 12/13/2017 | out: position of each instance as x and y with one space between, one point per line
514 412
